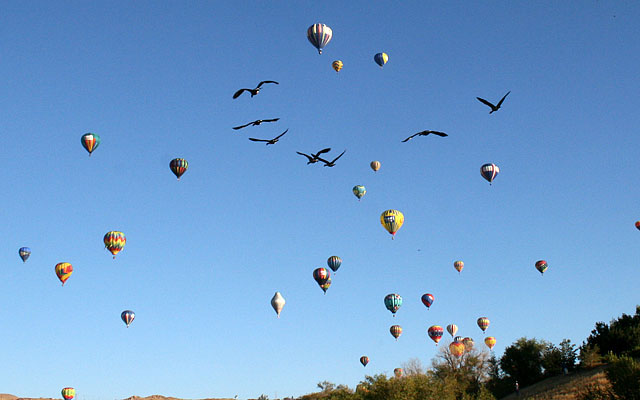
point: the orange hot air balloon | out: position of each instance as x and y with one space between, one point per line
375 166
458 265
456 348
396 331
483 323
64 270
398 372
490 341
114 241
68 393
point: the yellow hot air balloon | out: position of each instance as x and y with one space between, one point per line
392 220
64 271
375 166
490 341
114 241
456 348
337 65
68 393
458 265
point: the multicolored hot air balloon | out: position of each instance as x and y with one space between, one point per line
114 241
541 266
337 65
322 276
325 286
456 348
178 166
375 165
393 302
381 59
398 372
64 271
458 265
359 191
489 172
334 262
277 302
90 141
435 333
127 317
483 323
452 329
68 393
319 36
468 343
396 331
490 341
427 300
24 253
458 339
638 225
364 360
392 220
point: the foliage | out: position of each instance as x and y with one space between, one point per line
522 361
620 337
624 375
595 392
555 359
590 356
469 371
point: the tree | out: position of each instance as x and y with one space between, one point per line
468 371
522 361
624 375
620 337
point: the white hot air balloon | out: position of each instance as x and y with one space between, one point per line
277 302
452 329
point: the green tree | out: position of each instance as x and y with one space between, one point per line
522 361
620 337
469 371
624 375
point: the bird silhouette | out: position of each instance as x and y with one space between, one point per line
313 158
255 123
497 106
425 133
254 91
332 162
269 141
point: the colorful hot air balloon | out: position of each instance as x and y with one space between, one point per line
381 59
458 265
277 302
359 191
319 35
114 241
452 329
364 360
325 286
375 165
337 65
489 172
24 253
435 333
392 220
396 331
638 225
468 343
64 271
178 166
90 141
456 348
334 262
393 302
68 393
483 323
458 339
490 341
541 266
322 277
398 372
427 299
127 317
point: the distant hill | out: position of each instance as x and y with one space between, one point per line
562 387
154 397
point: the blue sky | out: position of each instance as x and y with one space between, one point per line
205 254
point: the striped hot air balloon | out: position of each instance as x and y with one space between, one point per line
68 393
392 220
489 172
64 271
490 341
381 59
127 317
427 300
114 241
334 262
337 65
393 302
452 329
483 323
325 286
364 360
90 141
178 166
396 331
319 36
435 333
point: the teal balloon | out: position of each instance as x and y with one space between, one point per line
393 302
359 191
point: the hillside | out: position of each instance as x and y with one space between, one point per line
562 387
154 397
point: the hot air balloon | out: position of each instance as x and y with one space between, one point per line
375 166
64 271
364 360
90 141
334 262
24 253
483 323
398 372
337 65
396 331
638 225
458 339
319 35
435 333
489 172
393 302
127 317
392 220
68 393
452 329
359 191
490 341
381 59
325 286
468 343
427 299
277 302
178 166
322 276
458 265
114 241
456 348
541 266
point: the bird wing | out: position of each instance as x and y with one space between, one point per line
328 149
411 137
270 120
306 155
441 134
336 159
502 99
242 126
263 82
324 161
238 93
486 102
258 140
280 135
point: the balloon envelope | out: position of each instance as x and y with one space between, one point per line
321 275
427 299
277 302
452 329
458 265
64 271
334 262
490 341
393 302
375 165
398 372
541 266
468 343
359 191
319 36
114 241
392 220
489 172
127 317
364 360
381 59
178 166
396 331
435 333
68 393
337 65
456 348
90 141
24 253
483 323
638 225
325 286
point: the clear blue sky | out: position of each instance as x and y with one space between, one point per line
205 254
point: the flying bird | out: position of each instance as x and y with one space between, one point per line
425 133
256 123
252 91
497 106
313 158
331 163
270 141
